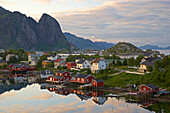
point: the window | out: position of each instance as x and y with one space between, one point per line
51 79
144 89
87 80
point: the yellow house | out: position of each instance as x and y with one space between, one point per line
45 63
143 66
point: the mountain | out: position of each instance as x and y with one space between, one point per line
154 47
104 45
86 43
124 48
19 31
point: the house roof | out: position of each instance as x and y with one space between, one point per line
97 60
51 55
58 60
2 61
150 59
20 65
47 72
46 61
152 86
91 59
81 75
80 62
83 97
61 71
35 55
99 80
147 63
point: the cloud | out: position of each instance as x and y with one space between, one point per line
44 96
112 105
7 94
42 1
133 20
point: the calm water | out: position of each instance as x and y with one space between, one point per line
34 99
166 52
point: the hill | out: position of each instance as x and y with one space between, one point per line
124 48
19 31
86 43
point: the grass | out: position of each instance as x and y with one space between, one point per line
121 80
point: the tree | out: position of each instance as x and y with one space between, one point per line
4 66
157 64
101 71
138 60
118 63
149 68
50 65
39 63
125 62
131 61
88 71
13 59
155 56
113 62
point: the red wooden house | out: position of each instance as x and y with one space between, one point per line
55 78
83 78
97 83
148 88
71 65
64 74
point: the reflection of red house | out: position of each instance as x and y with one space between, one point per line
52 89
148 88
71 65
97 93
146 104
63 91
64 74
97 83
83 78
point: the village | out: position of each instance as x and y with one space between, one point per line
83 71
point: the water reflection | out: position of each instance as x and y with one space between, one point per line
33 97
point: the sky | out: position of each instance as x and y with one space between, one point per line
136 21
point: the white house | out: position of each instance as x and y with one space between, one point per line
98 64
83 64
39 53
32 57
99 100
52 57
10 55
2 50
58 62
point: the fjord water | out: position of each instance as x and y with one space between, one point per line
34 99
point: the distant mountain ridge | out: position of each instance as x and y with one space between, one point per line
154 47
19 31
86 43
